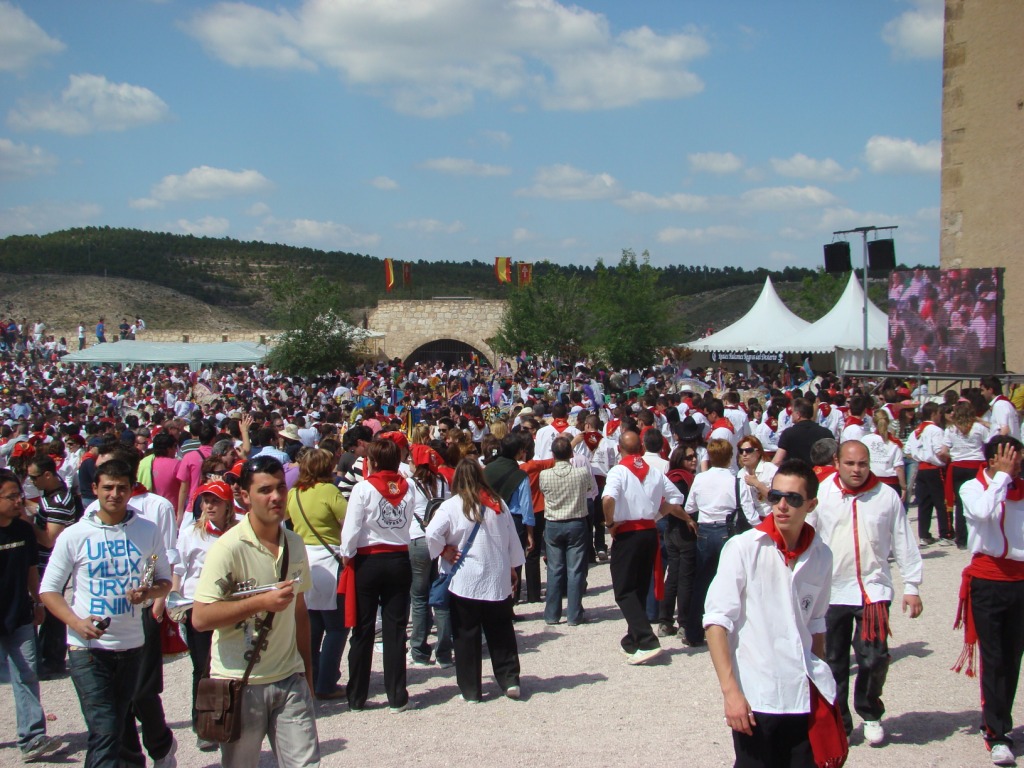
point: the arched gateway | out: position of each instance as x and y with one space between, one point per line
437 329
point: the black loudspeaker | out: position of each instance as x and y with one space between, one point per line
837 257
881 255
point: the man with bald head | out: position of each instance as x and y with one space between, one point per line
863 522
635 495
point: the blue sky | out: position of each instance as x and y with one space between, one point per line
723 133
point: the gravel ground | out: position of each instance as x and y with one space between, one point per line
584 706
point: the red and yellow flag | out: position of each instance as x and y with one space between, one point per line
406 274
389 275
525 273
503 269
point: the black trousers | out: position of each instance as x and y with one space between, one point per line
778 741
597 517
533 558
146 705
492 619
842 628
681 566
199 645
53 645
998 608
632 561
382 580
931 497
960 476
521 531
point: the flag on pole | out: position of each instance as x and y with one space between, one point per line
406 274
503 269
389 275
525 273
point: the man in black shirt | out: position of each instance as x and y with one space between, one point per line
20 611
796 442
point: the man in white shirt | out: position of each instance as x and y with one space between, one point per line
863 522
654 441
545 435
1001 415
765 626
855 426
634 495
926 446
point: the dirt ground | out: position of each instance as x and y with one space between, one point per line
584 706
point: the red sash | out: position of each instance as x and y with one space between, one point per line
826 732
657 573
347 579
950 492
981 567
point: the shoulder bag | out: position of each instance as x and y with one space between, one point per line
736 521
440 597
219 701
328 547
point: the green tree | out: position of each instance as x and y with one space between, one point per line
550 315
632 314
323 344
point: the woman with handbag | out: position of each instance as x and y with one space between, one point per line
217 515
375 550
316 509
475 536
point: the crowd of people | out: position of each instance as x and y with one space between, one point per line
412 508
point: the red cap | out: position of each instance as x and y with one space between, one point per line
425 456
218 488
235 471
396 437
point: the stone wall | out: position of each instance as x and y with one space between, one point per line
983 150
408 325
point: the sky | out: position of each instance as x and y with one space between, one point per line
738 133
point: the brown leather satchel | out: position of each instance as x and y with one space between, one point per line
219 701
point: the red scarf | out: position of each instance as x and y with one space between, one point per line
854 421
592 439
212 529
391 485
611 426
677 475
636 465
803 541
825 409
875 619
772 424
139 489
723 423
997 398
921 428
823 471
490 502
560 425
826 732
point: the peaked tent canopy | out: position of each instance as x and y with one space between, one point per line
169 353
842 331
769 317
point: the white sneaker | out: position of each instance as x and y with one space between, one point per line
874 733
1002 755
642 657
168 760
513 692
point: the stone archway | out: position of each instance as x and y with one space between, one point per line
409 325
447 351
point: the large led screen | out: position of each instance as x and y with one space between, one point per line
946 320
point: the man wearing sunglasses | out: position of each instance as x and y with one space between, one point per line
765 626
863 522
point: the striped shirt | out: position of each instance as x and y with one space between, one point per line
59 507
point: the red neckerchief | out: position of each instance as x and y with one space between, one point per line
921 428
997 398
675 475
480 424
822 471
825 409
803 541
560 425
772 424
875 618
854 421
611 426
636 465
391 485
592 439
490 502
448 473
789 410
139 489
212 529
723 423
870 483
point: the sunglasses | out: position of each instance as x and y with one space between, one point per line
35 477
745 451
690 457
793 499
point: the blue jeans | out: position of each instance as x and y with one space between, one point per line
105 682
19 651
710 540
424 571
566 544
327 636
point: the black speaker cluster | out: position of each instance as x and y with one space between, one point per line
881 256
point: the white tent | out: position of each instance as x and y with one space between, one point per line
767 325
842 331
169 353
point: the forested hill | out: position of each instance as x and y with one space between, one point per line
255 279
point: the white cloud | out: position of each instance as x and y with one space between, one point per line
643 201
837 218
205 183
328 235
523 235
703 234
22 40
432 226
435 57
258 209
90 103
47 217
20 161
800 166
782 198
887 154
208 226
383 183
144 204
917 33
564 182
781 257
714 162
502 138
461 166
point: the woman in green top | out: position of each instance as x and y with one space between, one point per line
317 509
